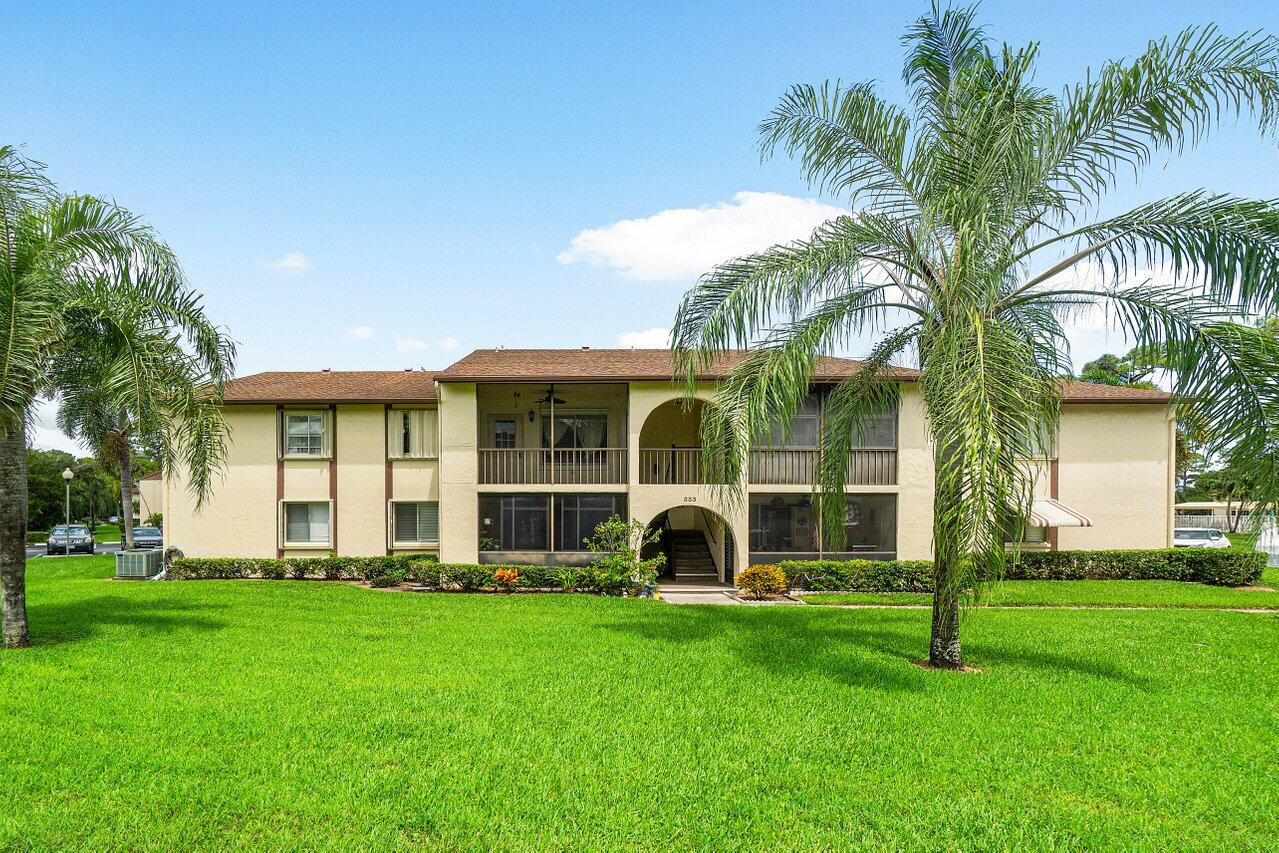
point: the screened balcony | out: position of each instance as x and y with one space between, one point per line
552 434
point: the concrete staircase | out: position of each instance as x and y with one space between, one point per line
692 557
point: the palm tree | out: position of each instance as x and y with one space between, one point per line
129 383
78 272
966 212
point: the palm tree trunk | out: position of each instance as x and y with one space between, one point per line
126 499
13 532
943 647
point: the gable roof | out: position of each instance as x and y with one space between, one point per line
616 365
333 386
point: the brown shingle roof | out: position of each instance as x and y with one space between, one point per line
1091 392
617 365
337 386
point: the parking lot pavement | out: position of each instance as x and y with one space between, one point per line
98 548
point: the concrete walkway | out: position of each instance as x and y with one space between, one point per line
677 592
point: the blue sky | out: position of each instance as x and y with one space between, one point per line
394 185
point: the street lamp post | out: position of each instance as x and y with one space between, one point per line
68 475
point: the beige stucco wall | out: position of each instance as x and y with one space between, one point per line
241 517
361 480
1115 466
459 501
150 498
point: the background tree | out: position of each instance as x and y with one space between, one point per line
131 383
969 208
65 264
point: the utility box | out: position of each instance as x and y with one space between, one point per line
138 563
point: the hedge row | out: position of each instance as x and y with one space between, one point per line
394 570
378 571
1217 566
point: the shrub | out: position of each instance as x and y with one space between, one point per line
273 569
37 537
566 577
395 568
155 519
762 581
861 575
506 579
1222 567
467 577
385 573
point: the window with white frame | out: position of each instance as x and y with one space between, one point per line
306 434
415 522
412 434
306 522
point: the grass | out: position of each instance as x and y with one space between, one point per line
107 532
306 714
1085 593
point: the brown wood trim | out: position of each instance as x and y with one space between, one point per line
333 478
1053 489
279 481
389 484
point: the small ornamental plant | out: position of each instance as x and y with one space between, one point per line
762 581
506 579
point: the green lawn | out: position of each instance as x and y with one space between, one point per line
306 714
107 532
1099 593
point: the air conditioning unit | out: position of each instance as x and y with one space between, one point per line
138 563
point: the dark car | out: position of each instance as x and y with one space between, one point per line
147 537
69 538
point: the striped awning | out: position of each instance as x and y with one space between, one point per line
1046 512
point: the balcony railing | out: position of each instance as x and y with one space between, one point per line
540 466
876 467
671 466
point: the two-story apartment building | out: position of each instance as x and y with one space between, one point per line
513 456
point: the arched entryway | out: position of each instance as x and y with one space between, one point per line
671 444
697 542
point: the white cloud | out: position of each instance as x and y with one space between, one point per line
654 338
683 243
409 344
417 345
292 263
359 333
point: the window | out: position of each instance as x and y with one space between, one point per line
574 431
804 428
880 431
412 434
305 434
1043 444
515 522
577 516
306 523
416 522
1030 534
504 433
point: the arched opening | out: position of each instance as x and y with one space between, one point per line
697 542
671 444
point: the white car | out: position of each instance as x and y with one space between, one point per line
1199 537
